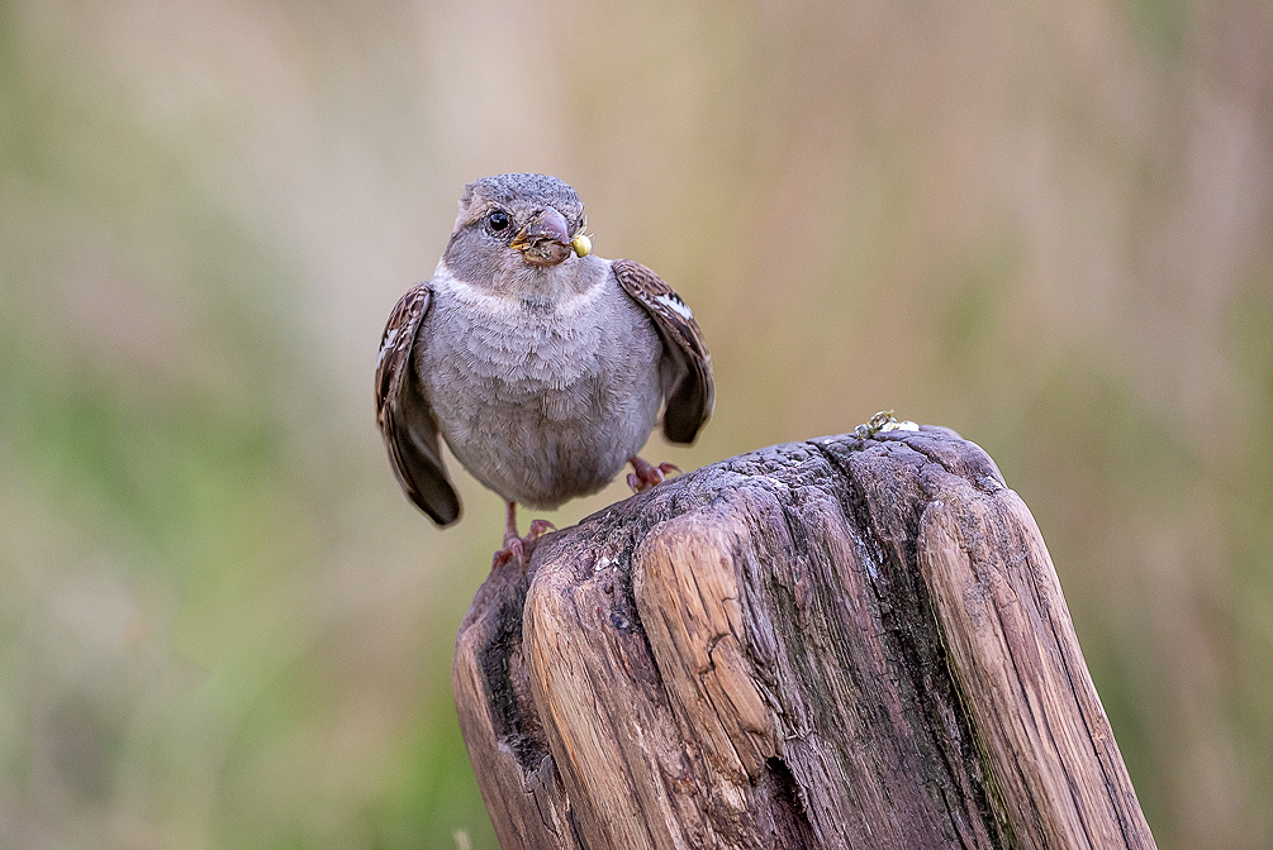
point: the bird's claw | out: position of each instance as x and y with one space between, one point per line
516 547
512 549
645 475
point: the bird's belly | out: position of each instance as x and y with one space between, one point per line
550 418
543 462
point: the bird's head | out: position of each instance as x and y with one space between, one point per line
513 226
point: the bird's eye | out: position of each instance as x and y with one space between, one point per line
498 220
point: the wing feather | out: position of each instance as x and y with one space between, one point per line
405 417
690 393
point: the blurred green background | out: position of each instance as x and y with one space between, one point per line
1048 226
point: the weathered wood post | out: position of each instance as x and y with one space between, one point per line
836 643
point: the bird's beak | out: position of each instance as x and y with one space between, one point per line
545 240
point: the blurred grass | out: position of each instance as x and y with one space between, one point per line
221 625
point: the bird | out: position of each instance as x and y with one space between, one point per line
543 366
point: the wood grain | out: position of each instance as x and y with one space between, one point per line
836 643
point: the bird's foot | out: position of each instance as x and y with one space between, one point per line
645 475
515 546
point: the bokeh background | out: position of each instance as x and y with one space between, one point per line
1048 226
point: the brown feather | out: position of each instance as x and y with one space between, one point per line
404 416
691 393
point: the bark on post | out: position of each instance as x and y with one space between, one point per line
835 643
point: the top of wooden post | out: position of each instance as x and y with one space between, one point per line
844 642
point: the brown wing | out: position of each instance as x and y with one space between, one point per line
404 416
689 389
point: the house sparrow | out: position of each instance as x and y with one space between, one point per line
542 365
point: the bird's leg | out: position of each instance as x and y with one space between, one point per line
646 475
514 545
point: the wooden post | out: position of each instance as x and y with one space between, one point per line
835 643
